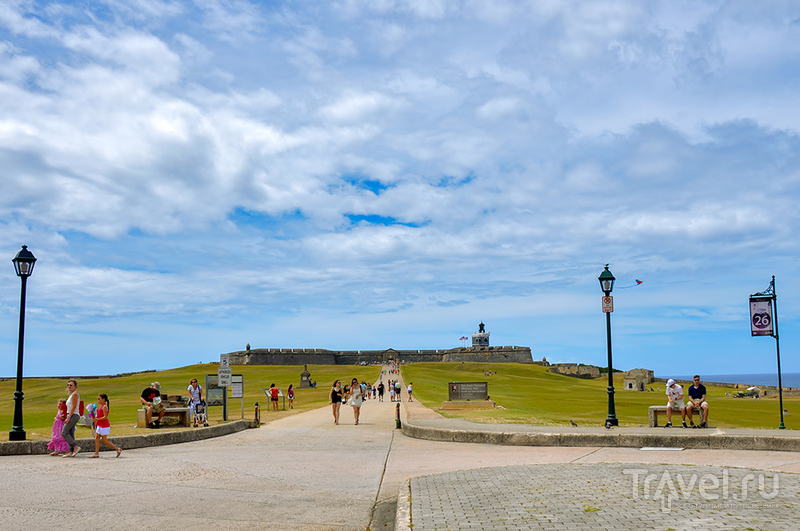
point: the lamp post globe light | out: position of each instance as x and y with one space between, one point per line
23 264
607 279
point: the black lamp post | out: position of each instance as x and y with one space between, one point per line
607 285
23 264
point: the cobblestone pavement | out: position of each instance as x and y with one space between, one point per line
606 497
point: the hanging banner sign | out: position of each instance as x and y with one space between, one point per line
761 316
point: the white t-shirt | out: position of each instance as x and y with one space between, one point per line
195 393
674 392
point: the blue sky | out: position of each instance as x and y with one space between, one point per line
197 175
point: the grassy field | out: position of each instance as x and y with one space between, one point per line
531 394
41 394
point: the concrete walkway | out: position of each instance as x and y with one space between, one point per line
302 472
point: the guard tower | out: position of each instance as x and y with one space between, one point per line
481 337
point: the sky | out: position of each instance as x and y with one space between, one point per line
194 176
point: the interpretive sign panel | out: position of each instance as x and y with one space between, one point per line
214 392
468 390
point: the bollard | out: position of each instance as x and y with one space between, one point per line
397 417
257 421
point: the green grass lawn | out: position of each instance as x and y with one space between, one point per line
531 394
41 394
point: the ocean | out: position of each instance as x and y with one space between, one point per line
788 379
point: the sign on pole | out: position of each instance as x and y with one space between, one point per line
608 304
761 322
224 373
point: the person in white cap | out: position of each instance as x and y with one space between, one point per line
675 397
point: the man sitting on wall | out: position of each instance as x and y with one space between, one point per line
697 398
151 401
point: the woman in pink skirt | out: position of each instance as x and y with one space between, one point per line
57 444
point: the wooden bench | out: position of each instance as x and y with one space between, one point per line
655 411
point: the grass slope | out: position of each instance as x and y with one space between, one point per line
41 394
531 394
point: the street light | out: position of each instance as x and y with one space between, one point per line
23 264
607 285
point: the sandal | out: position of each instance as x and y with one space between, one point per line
95 456
119 450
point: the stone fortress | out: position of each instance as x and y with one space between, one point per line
480 351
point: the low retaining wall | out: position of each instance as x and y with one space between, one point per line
607 439
128 442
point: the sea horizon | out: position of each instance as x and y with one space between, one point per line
788 379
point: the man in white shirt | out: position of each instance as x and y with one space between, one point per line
675 400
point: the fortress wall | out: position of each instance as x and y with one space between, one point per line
352 357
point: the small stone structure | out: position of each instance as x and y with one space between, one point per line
575 370
305 377
637 379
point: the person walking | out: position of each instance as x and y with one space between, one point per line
335 400
57 444
196 393
68 432
290 396
102 426
356 398
409 392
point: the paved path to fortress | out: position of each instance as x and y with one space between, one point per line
304 473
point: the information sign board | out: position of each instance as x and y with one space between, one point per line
468 391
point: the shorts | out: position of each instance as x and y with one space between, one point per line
678 404
103 431
274 399
158 408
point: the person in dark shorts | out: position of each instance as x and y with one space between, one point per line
335 400
273 396
151 401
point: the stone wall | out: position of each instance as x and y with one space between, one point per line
575 370
313 356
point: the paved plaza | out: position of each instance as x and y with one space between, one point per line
302 472
603 496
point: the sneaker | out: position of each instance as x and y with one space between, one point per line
150 426
668 425
77 449
157 424
703 425
684 424
691 423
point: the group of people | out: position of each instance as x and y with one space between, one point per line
697 399
153 404
274 394
62 442
354 395
396 389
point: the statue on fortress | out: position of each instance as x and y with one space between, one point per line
481 328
